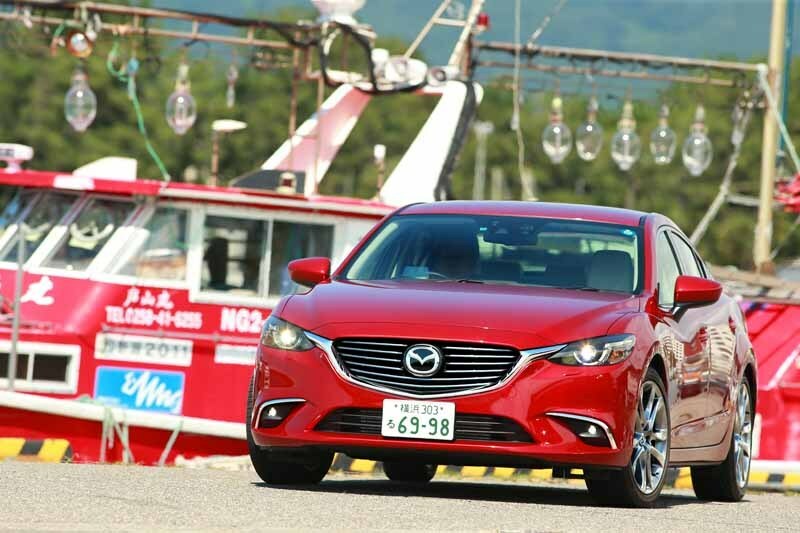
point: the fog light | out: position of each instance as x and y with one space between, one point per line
273 413
590 433
589 430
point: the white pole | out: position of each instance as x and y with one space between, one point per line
12 356
482 128
769 149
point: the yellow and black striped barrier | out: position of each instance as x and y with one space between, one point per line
43 450
679 478
60 450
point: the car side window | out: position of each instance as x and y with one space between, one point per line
668 271
689 265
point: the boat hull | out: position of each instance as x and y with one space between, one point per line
98 434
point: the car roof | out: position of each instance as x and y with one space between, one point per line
594 213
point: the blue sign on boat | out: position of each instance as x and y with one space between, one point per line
147 390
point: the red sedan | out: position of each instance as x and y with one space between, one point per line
528 335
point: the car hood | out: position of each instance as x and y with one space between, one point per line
523 316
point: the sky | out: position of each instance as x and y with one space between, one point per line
692 28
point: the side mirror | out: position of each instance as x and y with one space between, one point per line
692 291
310 271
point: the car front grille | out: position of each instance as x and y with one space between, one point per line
466 367
467 427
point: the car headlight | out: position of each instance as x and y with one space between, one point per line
280 334
599 351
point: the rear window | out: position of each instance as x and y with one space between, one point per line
503 250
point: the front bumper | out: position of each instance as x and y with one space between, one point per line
540 398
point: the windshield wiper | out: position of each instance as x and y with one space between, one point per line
580 288
466 280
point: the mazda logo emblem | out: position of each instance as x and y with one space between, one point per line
422 360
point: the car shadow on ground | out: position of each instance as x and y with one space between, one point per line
464 490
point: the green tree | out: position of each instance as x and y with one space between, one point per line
32 87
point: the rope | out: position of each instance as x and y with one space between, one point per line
739 127
168 448
127 74
786 238
765 86
111 427
773 104
528 183
528 188
56 35
545 22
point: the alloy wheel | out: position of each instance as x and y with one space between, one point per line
650 439
743 435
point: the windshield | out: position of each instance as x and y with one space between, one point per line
158 250
503 250
14 202
89 232
47 211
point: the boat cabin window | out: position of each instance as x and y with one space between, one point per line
290 241
13 202
233 252
47 210
89 232
7 193
41 367
158 250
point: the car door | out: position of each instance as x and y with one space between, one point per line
719 325
684 342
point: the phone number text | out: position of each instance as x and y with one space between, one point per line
143 316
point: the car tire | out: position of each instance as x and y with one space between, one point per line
279 467
632 486
727 482
407 472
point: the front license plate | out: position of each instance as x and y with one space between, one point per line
411 419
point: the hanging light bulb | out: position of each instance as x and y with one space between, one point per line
181 108
626 147
230 94
589 136
556 137
663 139
80 103
697 150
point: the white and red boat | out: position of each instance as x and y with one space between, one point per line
142 301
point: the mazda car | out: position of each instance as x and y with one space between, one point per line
576 338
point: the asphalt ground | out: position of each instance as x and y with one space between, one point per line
67 497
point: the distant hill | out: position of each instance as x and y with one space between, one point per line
694 28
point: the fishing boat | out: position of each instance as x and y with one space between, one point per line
141 302
131 308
